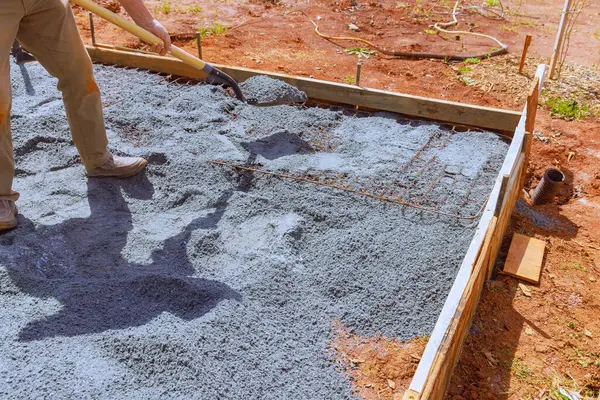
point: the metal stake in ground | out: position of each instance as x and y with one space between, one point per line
92 31
199 44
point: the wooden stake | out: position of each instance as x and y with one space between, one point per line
558 44
358 67
524 55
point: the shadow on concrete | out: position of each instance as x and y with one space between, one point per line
80 263
278 145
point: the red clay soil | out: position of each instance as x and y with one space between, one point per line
524 343
270 37
378 367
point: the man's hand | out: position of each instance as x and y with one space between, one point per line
140 14
156 28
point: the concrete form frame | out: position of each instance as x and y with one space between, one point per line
442 352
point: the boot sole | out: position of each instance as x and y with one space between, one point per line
8 226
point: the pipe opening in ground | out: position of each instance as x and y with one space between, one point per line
555 175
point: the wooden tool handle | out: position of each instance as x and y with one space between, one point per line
142 34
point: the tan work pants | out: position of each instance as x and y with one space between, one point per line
47 29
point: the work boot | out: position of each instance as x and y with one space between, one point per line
21 56
8 215
119 167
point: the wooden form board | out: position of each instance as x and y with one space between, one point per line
445 343
443 349
524 260
439 110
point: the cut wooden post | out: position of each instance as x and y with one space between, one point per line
559 38
524 55
524 260
358 67
532 103
527 152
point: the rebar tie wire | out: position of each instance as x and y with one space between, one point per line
350 190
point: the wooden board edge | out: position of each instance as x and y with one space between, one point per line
416 106
457 332
519 277
513 166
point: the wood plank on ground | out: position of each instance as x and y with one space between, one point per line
417 106
524 260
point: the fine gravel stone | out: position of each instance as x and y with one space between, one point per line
193 280
265 89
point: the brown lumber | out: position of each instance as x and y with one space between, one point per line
439 110
532 103
428 382
530 115
513 193
524 55
524 260
449 352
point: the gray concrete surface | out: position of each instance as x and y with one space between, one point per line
195 281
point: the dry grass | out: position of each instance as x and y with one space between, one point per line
499 75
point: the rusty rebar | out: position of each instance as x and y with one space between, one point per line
360 191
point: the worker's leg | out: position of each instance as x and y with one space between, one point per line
11 12
50 33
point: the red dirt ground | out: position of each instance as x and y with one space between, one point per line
523 344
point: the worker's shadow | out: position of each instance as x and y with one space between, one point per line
80 262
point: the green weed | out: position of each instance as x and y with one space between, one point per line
472 60
492 3
217 29
508 28
464 70
567 109
349 80
164 7
194 10
556 395
520 369
431 31
360 52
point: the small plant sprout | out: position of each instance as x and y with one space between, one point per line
472 60
567 109
194 10
164 7
217 29
360 52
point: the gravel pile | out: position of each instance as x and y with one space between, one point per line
194 280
